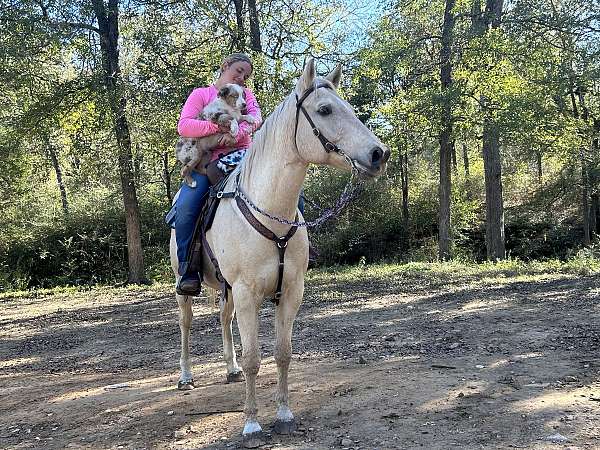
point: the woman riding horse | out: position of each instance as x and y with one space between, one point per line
236 68
313 125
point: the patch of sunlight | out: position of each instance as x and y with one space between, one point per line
557 400
528 355
18 362
483 305
135 385
376 304
454 395
499 363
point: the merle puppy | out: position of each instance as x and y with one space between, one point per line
227 108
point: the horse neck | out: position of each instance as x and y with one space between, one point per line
275 172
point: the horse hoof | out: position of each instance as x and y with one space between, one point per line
253 440
284 427
235 377
186 385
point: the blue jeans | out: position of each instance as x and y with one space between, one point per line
188 205
301 202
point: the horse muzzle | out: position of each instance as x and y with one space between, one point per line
376 162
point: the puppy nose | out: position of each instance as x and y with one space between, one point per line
243 104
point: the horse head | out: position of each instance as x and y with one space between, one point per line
327 130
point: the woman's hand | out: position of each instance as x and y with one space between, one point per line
227 140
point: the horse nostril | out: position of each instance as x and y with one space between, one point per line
377 154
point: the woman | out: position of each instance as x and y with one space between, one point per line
236 68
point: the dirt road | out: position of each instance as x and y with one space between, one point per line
399 360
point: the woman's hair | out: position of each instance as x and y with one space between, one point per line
236 57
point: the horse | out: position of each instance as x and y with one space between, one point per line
312 125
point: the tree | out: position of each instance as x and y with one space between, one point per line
107 17
494 202
446 138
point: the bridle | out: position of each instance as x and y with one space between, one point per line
327 144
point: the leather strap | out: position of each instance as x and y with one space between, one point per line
326 143
281 242
224 284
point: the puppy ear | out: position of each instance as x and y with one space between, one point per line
335 76
307 77
224 91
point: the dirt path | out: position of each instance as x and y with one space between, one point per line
399 361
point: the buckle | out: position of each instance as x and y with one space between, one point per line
219 194
330 147
316 132
280 242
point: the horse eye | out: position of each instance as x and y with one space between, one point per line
324 110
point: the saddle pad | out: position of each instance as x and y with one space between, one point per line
230 161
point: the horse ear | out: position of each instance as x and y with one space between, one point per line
335 76
307 77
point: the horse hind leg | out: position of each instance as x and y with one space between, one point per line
234 372
186 380
284 321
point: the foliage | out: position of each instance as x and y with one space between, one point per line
538 72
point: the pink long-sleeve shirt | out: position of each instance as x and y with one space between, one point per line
189 125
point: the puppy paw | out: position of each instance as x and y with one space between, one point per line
234 128
249 119
190 182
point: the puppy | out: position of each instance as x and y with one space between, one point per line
227 108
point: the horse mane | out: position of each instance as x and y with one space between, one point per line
261 138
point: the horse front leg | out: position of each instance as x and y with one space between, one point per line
246 308
234 372
186 381
284 322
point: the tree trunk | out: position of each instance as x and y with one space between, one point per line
239 41
538 160
594 211
594 179
585 200
445 137
585 174
454 163
254 27
494 206
404 181
466 160
59 178
167 177
109 34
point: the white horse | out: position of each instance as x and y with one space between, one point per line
312 125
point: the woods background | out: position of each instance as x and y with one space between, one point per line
491 109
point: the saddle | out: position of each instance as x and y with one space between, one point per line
203 224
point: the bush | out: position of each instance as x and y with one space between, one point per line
82 249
